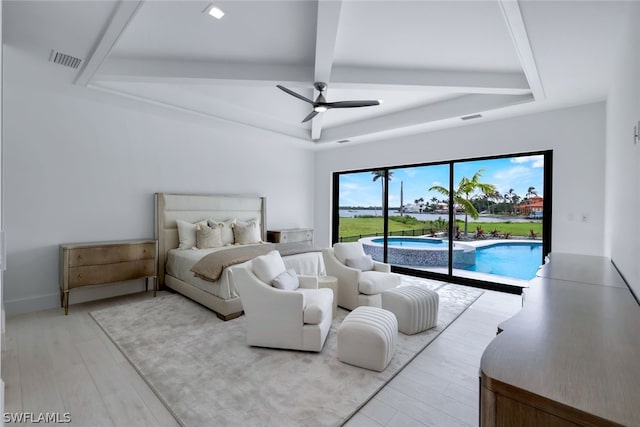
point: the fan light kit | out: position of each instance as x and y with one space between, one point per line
320 105
214 11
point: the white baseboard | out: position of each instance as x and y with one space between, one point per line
89 293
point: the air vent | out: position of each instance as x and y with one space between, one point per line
64 59
342 141
473 116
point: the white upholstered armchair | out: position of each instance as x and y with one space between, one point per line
296 317
360 279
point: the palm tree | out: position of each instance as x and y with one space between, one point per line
434 200
420 203
380 174
531 191
508 197
464 193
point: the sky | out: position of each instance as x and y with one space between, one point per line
517 173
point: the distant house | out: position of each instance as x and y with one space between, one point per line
532 207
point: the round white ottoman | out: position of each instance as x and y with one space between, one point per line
367 338
415 308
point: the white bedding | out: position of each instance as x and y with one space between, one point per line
180 261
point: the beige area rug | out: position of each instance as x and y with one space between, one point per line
206 375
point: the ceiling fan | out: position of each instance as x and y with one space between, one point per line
320 105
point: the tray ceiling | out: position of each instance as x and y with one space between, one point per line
431 62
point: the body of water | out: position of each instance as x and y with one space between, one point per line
517 260
433 216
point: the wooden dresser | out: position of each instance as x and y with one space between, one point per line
571 356
85 264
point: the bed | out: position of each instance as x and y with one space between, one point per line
174 265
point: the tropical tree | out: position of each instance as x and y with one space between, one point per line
531 191
434 200
463 194
508 197
380 175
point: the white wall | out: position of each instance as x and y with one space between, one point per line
83 166
576 136
623 156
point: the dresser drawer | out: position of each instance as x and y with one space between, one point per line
290 235
85 264
79 257
118 272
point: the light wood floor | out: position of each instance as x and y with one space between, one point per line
57 363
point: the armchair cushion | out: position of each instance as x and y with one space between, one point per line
312 314
343 251
287 280
362 262
374 282
268 267
318 305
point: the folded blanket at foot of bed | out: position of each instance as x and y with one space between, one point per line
210 266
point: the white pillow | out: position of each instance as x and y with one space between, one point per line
268 267
343 251
187 233
246 233
362 262
208 237
288 280
227 232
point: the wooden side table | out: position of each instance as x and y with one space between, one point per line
331 283
86 264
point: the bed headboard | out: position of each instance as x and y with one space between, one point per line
196 207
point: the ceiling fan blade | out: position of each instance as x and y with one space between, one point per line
310 116
351 104
292 93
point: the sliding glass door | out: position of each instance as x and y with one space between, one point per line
472 221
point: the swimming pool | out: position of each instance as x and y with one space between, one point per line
519 260
419 251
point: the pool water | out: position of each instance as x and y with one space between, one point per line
517 260
417 243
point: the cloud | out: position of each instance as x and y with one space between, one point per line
536 161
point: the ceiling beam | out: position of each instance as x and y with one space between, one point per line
220 111
506 83
326 35
203 72
380 79
123 15
518 31
420 116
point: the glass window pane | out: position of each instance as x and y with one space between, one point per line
499 210
418 218
360 205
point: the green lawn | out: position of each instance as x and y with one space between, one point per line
353 228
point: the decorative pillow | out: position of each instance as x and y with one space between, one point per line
208 237
187 233
287 281
245 233
362 263
268 267
342 251
227 232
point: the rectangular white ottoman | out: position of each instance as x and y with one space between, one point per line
415 308
367 338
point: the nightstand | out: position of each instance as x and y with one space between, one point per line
290 235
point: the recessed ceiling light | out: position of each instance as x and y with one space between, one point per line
214 11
